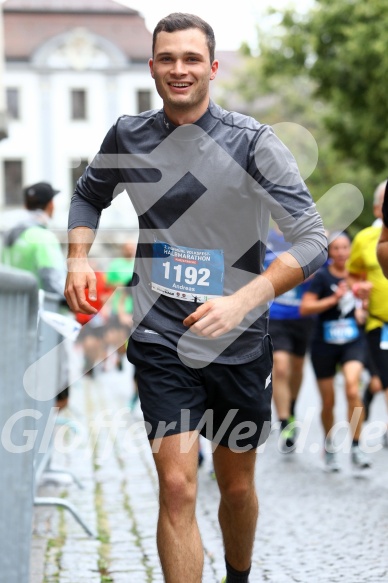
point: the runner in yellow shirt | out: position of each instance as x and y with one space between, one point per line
365 270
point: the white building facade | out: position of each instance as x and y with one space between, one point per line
71 69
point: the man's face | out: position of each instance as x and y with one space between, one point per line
339 250
182 70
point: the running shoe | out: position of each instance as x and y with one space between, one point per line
288 437
294 430
331 461
359 459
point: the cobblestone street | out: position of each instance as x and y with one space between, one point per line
313 526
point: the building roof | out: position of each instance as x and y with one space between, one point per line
28 24
95 6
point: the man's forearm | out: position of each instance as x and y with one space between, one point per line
80 242
220 315
282 275
382 250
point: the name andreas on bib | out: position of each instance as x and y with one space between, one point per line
187 274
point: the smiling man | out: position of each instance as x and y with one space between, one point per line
204 182
182 66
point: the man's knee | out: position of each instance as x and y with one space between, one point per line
177 493
237 494
281 370
352 395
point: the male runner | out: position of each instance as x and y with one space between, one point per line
203 182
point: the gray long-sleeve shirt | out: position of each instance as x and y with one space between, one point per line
204 194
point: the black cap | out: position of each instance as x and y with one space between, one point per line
39 193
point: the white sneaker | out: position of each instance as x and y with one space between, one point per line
359 459
331 461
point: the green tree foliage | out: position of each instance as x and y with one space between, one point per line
342 46
326 70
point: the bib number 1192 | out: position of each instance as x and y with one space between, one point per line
191 275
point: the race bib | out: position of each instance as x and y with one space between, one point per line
187 274
340 331
292 297
384 337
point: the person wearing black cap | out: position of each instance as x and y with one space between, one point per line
382 245
31 246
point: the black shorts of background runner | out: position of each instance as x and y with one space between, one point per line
325 357
114 322
90 330
379 356
370 362
167 386
292 336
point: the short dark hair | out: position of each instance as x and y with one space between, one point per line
35 205
182 21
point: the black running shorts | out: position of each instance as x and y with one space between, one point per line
325 357
292 336
228 404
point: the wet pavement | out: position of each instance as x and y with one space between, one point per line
314 526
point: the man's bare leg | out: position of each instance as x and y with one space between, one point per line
239 508
326 389
296 375
178 539
352 372
281 383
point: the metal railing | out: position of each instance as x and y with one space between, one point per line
51 377
18 321
27 415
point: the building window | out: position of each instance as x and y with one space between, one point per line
143 100
78 104
77 169
13 103
13 182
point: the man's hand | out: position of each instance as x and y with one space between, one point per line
340 290
362 289
79 278
216 317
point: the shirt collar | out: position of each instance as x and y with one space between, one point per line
206 121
